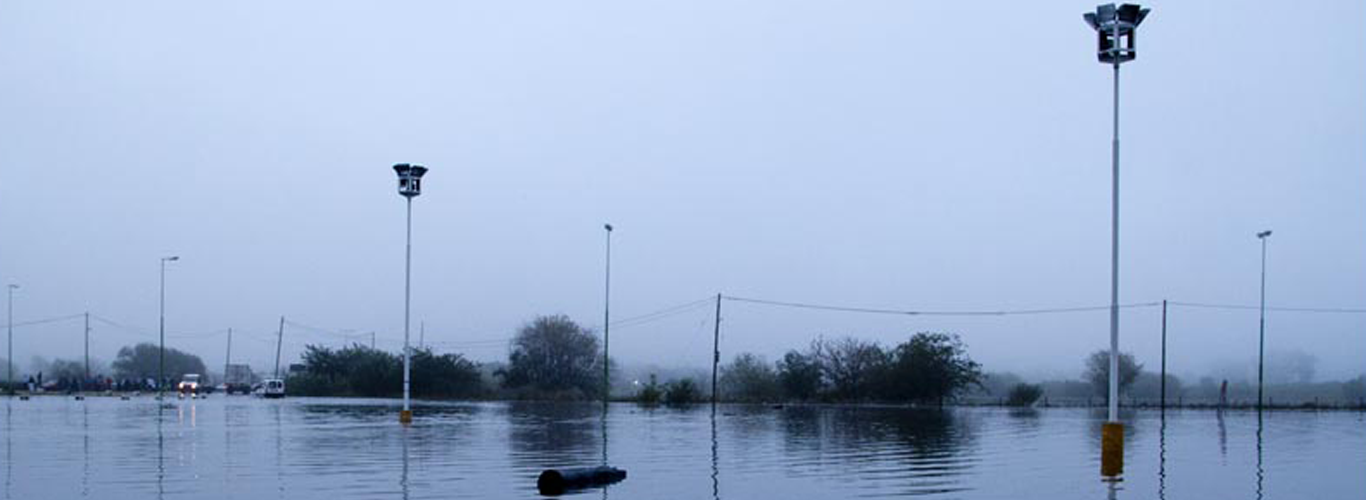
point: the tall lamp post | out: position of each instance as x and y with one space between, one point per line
606 321
409 186
1115 27
1261 328
161 354
9 357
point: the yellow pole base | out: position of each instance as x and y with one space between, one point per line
405 416
1112 449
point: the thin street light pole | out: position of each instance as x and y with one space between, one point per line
161 352
715 349
9 357
227 360
607 321
87 345
1261 323
1164 355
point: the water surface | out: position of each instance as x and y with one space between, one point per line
299 449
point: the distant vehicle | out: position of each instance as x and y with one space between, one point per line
273 388
189 385
237 380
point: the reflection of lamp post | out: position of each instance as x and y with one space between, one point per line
606 320
1261 328
9 357
1115 45
409 186
161 354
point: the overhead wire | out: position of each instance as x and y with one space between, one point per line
906 312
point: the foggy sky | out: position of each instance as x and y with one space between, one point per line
897 154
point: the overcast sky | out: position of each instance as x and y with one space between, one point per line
897 154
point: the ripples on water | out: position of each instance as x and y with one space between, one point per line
294 449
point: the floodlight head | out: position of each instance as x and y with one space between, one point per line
1115 28
1264 234
172 258
13 286
409 179
608 227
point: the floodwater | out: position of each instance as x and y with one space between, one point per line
299 449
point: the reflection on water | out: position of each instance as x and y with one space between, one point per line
340 450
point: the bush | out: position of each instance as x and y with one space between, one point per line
681 392
651 394
1024 395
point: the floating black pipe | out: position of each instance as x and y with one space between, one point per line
557 481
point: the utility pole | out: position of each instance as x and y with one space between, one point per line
372 341
9 357
279 341
715 349
421 334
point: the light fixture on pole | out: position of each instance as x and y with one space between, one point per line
409 186
607 321
1261 327
161 353
9 356
1115 28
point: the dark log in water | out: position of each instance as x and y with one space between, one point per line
556 481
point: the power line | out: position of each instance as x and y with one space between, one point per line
1329 310
869 310
49 320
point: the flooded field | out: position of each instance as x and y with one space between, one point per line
241 447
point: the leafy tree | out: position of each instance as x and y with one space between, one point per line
850 366
1098 371
140 362
930 367
1024 394
681 392
800 375
749 378
552 354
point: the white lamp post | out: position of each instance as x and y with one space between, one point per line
1115 28
409 186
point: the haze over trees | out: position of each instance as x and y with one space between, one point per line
141 362
1097 372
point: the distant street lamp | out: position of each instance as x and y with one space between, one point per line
1115 28
9 358
1261 329
607 321
161 354
409 186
